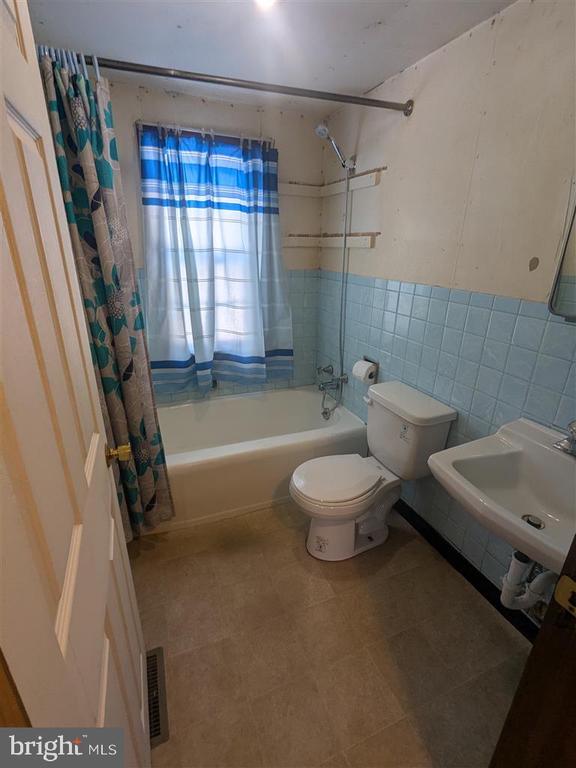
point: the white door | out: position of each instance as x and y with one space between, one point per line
69 625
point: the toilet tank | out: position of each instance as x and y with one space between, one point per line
405 427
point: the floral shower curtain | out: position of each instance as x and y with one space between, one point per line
87 158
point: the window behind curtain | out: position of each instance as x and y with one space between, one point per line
216 293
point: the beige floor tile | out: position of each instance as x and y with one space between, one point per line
299 586
405 551
461 727
188 541
184 624
439 585
346 575
223 534
357 698
282 516
271 656
167 755
204 683
283 547
275 658
326 633
373 612
264 520
233 564
338 761
293 726
192 622
386 605
165 546
248 605
397 746
159 581
149 584
411 667
154 626
473 639
227 740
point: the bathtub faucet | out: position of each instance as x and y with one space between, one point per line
334 383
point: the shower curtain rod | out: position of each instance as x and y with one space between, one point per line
251 85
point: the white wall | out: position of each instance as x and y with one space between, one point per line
477 179
300 151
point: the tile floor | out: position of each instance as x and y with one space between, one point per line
390 659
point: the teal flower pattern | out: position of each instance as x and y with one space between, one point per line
87 160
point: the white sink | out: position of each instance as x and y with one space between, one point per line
513 474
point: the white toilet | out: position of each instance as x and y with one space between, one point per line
348 497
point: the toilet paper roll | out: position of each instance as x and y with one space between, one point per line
364 371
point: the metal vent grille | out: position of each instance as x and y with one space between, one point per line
157 709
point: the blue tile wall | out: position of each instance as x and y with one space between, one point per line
492 358
303 288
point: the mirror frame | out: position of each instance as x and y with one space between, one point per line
569 224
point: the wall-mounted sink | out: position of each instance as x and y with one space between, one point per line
518 486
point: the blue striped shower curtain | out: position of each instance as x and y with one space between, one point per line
216 295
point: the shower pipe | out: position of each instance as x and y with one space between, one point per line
349 165
406 107
327 411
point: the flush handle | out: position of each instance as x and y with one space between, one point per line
120 453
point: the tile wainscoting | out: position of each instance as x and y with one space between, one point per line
492 358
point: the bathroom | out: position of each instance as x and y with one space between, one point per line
290 290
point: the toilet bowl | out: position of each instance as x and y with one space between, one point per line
348 497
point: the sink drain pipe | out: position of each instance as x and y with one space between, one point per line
516 593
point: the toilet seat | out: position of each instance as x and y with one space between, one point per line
340 487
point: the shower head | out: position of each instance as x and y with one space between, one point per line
322 132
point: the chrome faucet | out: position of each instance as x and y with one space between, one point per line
568 444
334 383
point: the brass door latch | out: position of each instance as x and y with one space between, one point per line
565 594
120 453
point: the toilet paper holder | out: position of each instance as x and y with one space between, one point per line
376 363
367 399
366 375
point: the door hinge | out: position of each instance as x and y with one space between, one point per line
565 594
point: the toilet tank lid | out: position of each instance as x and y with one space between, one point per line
410 404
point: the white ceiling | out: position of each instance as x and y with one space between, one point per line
332 45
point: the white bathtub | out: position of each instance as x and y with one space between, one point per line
230 455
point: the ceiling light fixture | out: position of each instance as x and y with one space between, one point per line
265 4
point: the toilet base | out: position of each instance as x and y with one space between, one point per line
333 540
